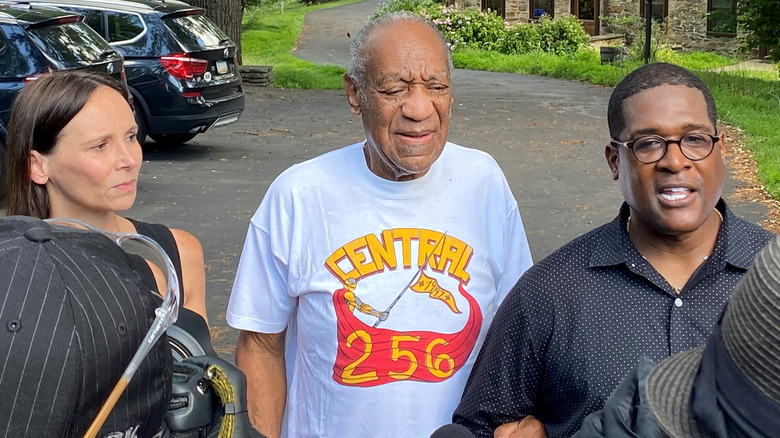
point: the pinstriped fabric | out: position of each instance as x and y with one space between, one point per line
73 310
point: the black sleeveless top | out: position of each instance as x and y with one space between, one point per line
162 235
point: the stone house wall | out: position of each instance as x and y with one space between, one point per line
685 26
562 8
516 12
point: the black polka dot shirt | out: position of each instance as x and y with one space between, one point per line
577 323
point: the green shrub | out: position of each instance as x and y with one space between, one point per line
562 35
471 28
461 28
259 3
316 2
522 38
485 30
636 51
421 7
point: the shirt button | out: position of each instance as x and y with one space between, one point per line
678 302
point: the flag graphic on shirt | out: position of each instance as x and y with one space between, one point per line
430 286
370 352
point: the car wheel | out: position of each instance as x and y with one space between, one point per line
140 120
172 139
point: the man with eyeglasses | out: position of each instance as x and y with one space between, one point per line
650 283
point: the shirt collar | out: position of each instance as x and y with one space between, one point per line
613 246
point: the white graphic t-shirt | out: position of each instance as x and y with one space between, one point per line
387 287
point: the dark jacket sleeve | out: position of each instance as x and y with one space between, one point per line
626 413
506 380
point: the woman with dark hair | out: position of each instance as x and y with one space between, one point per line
71 152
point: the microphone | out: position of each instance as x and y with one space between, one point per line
452 431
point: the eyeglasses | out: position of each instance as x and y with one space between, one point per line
651 148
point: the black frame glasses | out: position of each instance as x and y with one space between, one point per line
652 148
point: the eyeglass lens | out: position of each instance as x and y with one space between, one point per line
652 148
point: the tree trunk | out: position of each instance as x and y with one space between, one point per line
226 14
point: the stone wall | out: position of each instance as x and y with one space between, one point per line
517 10
685 27
562 8
466 4
622 8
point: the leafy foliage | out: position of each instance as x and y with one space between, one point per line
256 3
760 19
522 38
416 6
486 30
469 28
562 35
636 50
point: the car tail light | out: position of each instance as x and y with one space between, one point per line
191 94
66 20
181 66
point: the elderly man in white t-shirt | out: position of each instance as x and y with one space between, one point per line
370 274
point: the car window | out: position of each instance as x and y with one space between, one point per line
96 20
17 57
196 31
70 44
123 27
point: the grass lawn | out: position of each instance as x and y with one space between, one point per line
269 37
747 100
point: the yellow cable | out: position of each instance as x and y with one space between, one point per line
227 395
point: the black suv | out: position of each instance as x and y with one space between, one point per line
180 66
37 40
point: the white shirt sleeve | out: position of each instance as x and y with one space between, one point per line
517 257
260 301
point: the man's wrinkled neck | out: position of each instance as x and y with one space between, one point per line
382 167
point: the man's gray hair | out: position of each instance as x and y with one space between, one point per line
357 69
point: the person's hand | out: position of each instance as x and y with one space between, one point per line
528 427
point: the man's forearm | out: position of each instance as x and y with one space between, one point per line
261 357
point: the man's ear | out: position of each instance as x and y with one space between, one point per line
721 147
39 168
352 94
611 153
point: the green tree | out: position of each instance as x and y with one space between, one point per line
226 14
760 20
